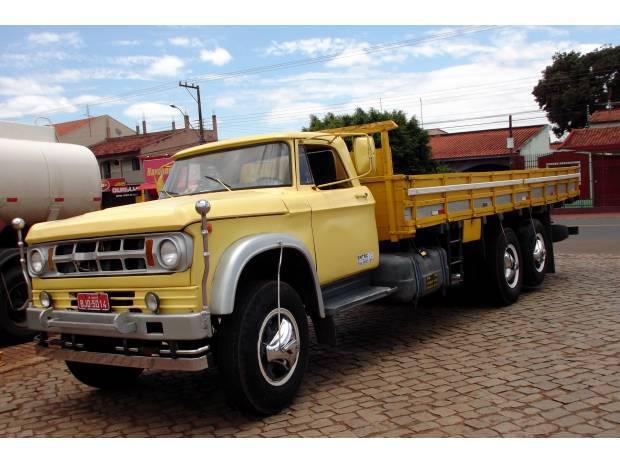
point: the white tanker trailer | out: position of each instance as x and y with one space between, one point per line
39 181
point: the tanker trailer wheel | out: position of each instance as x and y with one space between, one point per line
13 295
534 245
262 350
103 376
504 263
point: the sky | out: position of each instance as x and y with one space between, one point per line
259 79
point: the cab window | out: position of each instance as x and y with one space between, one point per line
324 164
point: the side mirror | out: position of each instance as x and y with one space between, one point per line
363 155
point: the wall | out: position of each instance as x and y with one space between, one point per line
12 130
535 147
560 159
96 131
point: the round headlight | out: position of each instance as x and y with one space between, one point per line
37 262
45 299
169 254
152 302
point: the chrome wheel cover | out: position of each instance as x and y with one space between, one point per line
278 346
539 253
511 265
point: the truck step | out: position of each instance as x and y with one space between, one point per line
355 297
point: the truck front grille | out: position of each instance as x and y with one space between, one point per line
111 256
120 255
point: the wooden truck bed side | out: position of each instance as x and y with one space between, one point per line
406 203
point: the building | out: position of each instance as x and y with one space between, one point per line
122 161
90 131
13 130
605 118
487 150
596 150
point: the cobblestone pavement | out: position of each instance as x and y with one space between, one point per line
546 366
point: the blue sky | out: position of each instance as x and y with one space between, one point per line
130 72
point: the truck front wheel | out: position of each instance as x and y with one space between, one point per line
262 349
13 295
102 376
504 262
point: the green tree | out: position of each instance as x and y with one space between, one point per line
411 152
576 85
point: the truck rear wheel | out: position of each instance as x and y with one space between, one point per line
262 350
504 267
534 246
13 295
102 376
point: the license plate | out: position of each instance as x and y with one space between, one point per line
93 302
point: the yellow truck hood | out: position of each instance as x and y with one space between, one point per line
160 215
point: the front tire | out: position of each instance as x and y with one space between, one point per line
103 376
13 295
504 262
262 350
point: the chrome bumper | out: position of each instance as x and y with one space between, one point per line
122 360
191 326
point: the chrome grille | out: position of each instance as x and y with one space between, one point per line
127 255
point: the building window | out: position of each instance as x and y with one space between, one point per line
105 170
135 164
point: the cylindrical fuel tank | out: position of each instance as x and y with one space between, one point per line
43 181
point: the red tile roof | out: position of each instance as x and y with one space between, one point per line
128 143
605 115
478 144
593 139
64 128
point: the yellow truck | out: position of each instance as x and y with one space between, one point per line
254 236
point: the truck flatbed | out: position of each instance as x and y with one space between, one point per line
405 203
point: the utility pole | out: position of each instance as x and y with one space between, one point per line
197 99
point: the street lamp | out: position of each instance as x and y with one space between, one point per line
184 119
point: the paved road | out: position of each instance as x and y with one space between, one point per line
598 233
546 366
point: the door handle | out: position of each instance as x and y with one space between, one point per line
362 196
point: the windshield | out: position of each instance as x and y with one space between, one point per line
265 165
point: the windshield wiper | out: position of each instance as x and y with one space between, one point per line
221 182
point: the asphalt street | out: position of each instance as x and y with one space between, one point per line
598 233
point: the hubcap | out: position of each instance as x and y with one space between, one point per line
540 253
511 265
278 346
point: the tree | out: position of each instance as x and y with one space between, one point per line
410 149
575 85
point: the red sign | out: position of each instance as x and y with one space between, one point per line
156 168
93 302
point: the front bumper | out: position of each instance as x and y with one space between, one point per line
56 351
127 325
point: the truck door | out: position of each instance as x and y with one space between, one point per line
343 218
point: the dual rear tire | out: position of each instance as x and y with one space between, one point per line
516 260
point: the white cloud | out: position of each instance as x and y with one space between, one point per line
218 56
312 47
182 41
166 65
23 105
153 112
127 43
11 86
227 101
72 39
